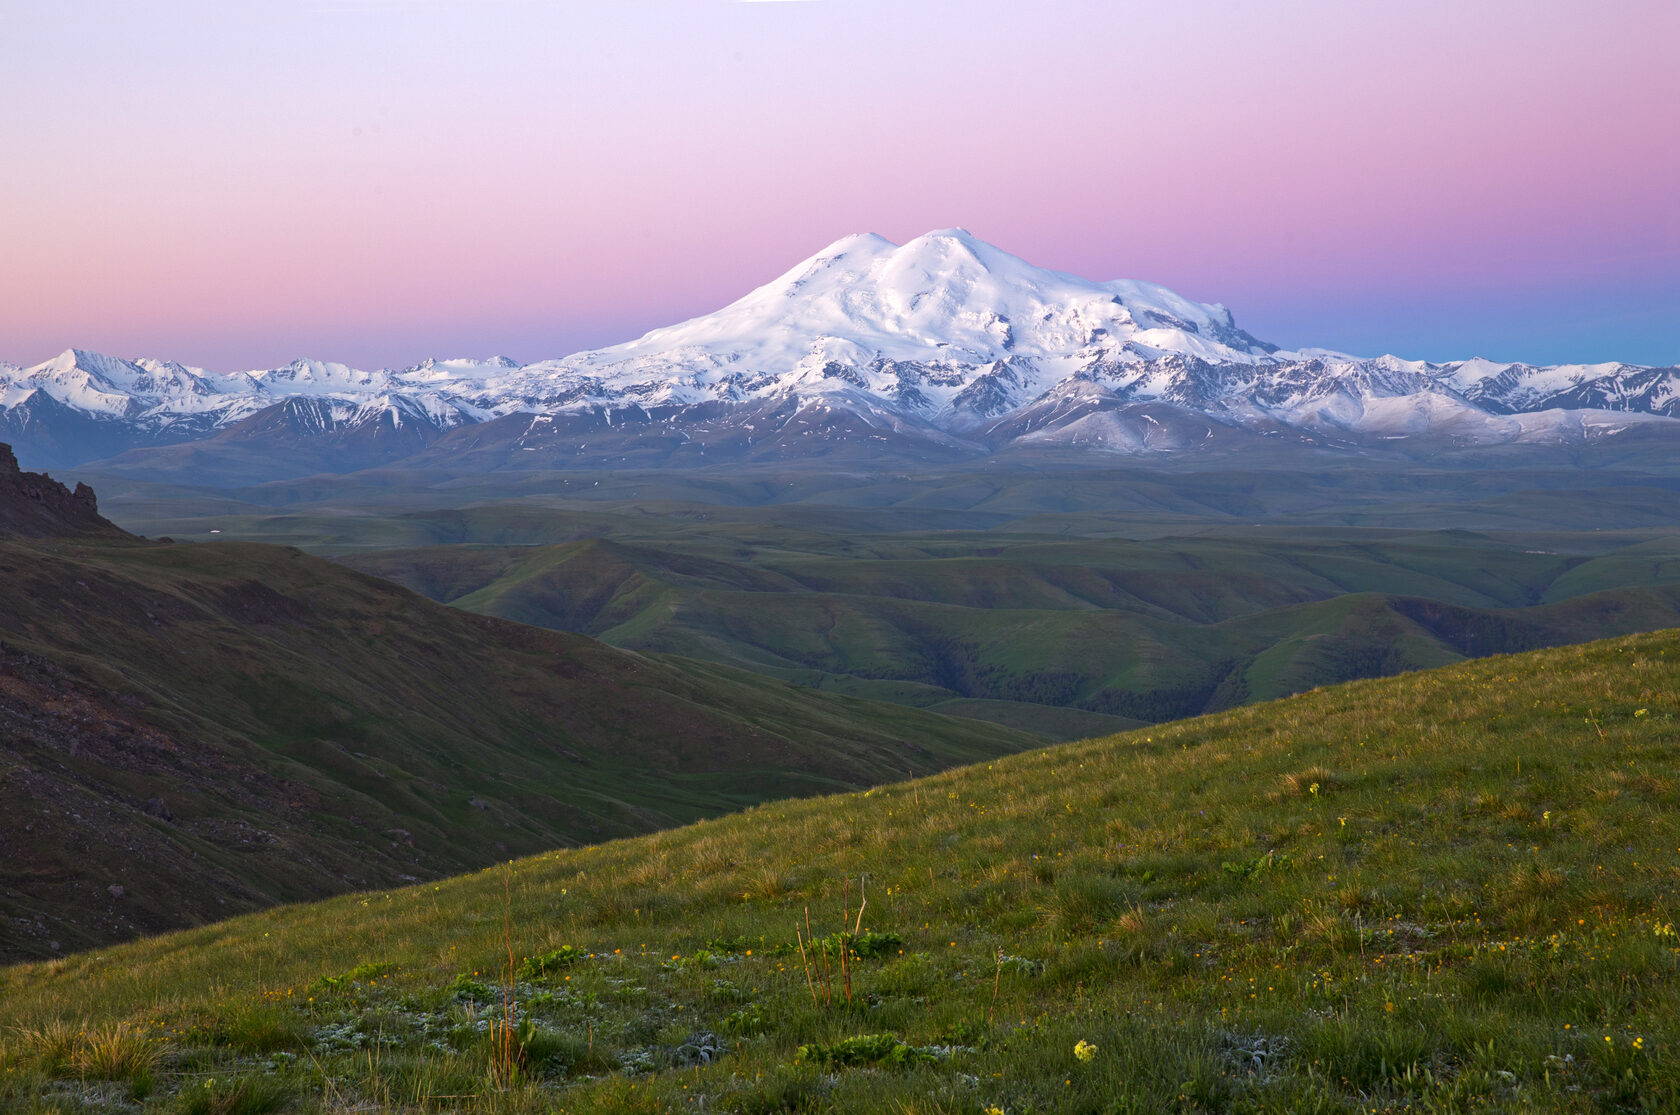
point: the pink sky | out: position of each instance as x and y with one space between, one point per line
377 181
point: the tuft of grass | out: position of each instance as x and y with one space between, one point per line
1312 781
1083 902
117 1051
51 1044
262 1027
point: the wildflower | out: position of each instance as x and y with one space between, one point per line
1084 1050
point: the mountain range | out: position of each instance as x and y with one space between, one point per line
942 349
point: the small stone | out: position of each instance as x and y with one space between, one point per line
116 890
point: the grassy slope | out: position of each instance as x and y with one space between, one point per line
954 588
215 727
1118 632
1444 891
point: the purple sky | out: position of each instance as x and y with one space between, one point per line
377 181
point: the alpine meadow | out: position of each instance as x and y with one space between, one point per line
840 556
1446 891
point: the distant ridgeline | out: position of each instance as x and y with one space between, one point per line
943 349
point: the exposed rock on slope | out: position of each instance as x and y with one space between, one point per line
34 505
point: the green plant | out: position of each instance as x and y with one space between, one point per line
864 1049
250 1095
547 963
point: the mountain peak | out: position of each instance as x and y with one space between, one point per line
865 241
957 236
954 243
71 359
943 299
944 333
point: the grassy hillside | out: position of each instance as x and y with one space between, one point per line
187 731
1444 891
1114 632
1080 599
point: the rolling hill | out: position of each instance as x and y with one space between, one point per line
1079 636
191 730
1073 599
1447 891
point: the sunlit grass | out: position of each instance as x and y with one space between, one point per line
1450 891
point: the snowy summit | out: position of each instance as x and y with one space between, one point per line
945 336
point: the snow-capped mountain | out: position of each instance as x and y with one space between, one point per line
945 344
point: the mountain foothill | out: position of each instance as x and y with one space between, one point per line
901 508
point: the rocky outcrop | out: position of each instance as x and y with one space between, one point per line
34 505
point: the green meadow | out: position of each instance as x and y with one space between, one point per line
1450 890
1066 601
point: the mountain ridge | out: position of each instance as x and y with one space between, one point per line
944 340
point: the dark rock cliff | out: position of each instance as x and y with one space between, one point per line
34 505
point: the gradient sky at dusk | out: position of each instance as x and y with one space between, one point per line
377 181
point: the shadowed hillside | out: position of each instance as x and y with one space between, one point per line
187 731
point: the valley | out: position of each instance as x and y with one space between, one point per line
1075 599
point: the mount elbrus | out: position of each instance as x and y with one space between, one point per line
944 348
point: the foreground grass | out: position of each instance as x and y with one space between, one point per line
1450 891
